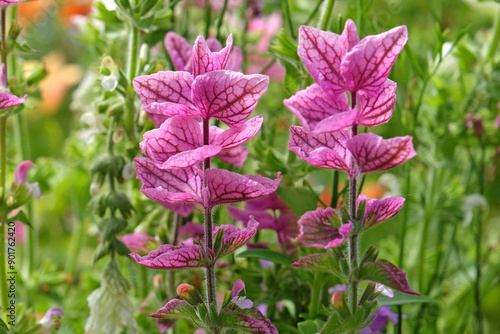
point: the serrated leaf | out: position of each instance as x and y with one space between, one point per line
319 262
269 255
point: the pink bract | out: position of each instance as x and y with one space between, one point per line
364 153
317 229
174 257
9 2
378 211
21 172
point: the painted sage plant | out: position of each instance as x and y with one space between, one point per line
177 170
351 90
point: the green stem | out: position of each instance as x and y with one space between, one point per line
313 13
208 226
288 18
208 17
477 283
353 247
3 23
428 214
75 246
496 38
221 18
335 189
326 15
133 53
316 291
404 225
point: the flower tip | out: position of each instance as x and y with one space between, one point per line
183 290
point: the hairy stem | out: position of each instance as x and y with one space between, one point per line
335 189
316 290
208 230
326 14
3 227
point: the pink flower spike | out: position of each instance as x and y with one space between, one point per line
169 186
237 136
322 53
228 96
22 171
377 110
204 60
369 62
180 51
165 86
374 154
228 187
234 237
378 211
174 257
313 104
317 230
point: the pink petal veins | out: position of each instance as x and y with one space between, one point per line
374 154
368 64
378 211
172 257
337 122
235 60
313 105
180 51
169 186
236 136
237 287
213 44
165 86
228 96
317 230
235 238
204 60
351 34
258 324
175 135
22 171
327 150
9 100
322 53
377 110
228 187
235 156
181 208
160 111
9 2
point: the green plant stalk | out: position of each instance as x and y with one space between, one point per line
288 18
208 226
316 292
479 233
313 13
404 225
221 18
425 231
208 17
3 227
335 189
353 249
133 53
326 15
496 38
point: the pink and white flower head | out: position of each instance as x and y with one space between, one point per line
52 318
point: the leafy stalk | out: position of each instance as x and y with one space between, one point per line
326 15
288 18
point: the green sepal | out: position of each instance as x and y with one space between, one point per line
110 227
370 255
344 215
218 242
22 218
108 164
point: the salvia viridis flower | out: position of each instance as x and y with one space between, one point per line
7 100
52 318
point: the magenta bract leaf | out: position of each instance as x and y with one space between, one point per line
235 156
351 34
317 229
22 171
9 2
317 262
313 104
236 136
165 86
228 96
176 309
169 186
369 62
193 229
252 321
237 287
174 257
161 111
228 187
190 158
373 153
337 122
204 60
377 110
327 150
180 51
235 60
322 53
9 100
139 242
234 237
386 273
181 208
378 211
213 44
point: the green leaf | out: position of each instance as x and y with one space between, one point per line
269 255
283 327
401 298
300 200
22 218
3 327
293 77
310 326
319 262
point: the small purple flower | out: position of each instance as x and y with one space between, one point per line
20 175
380 321
52 318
